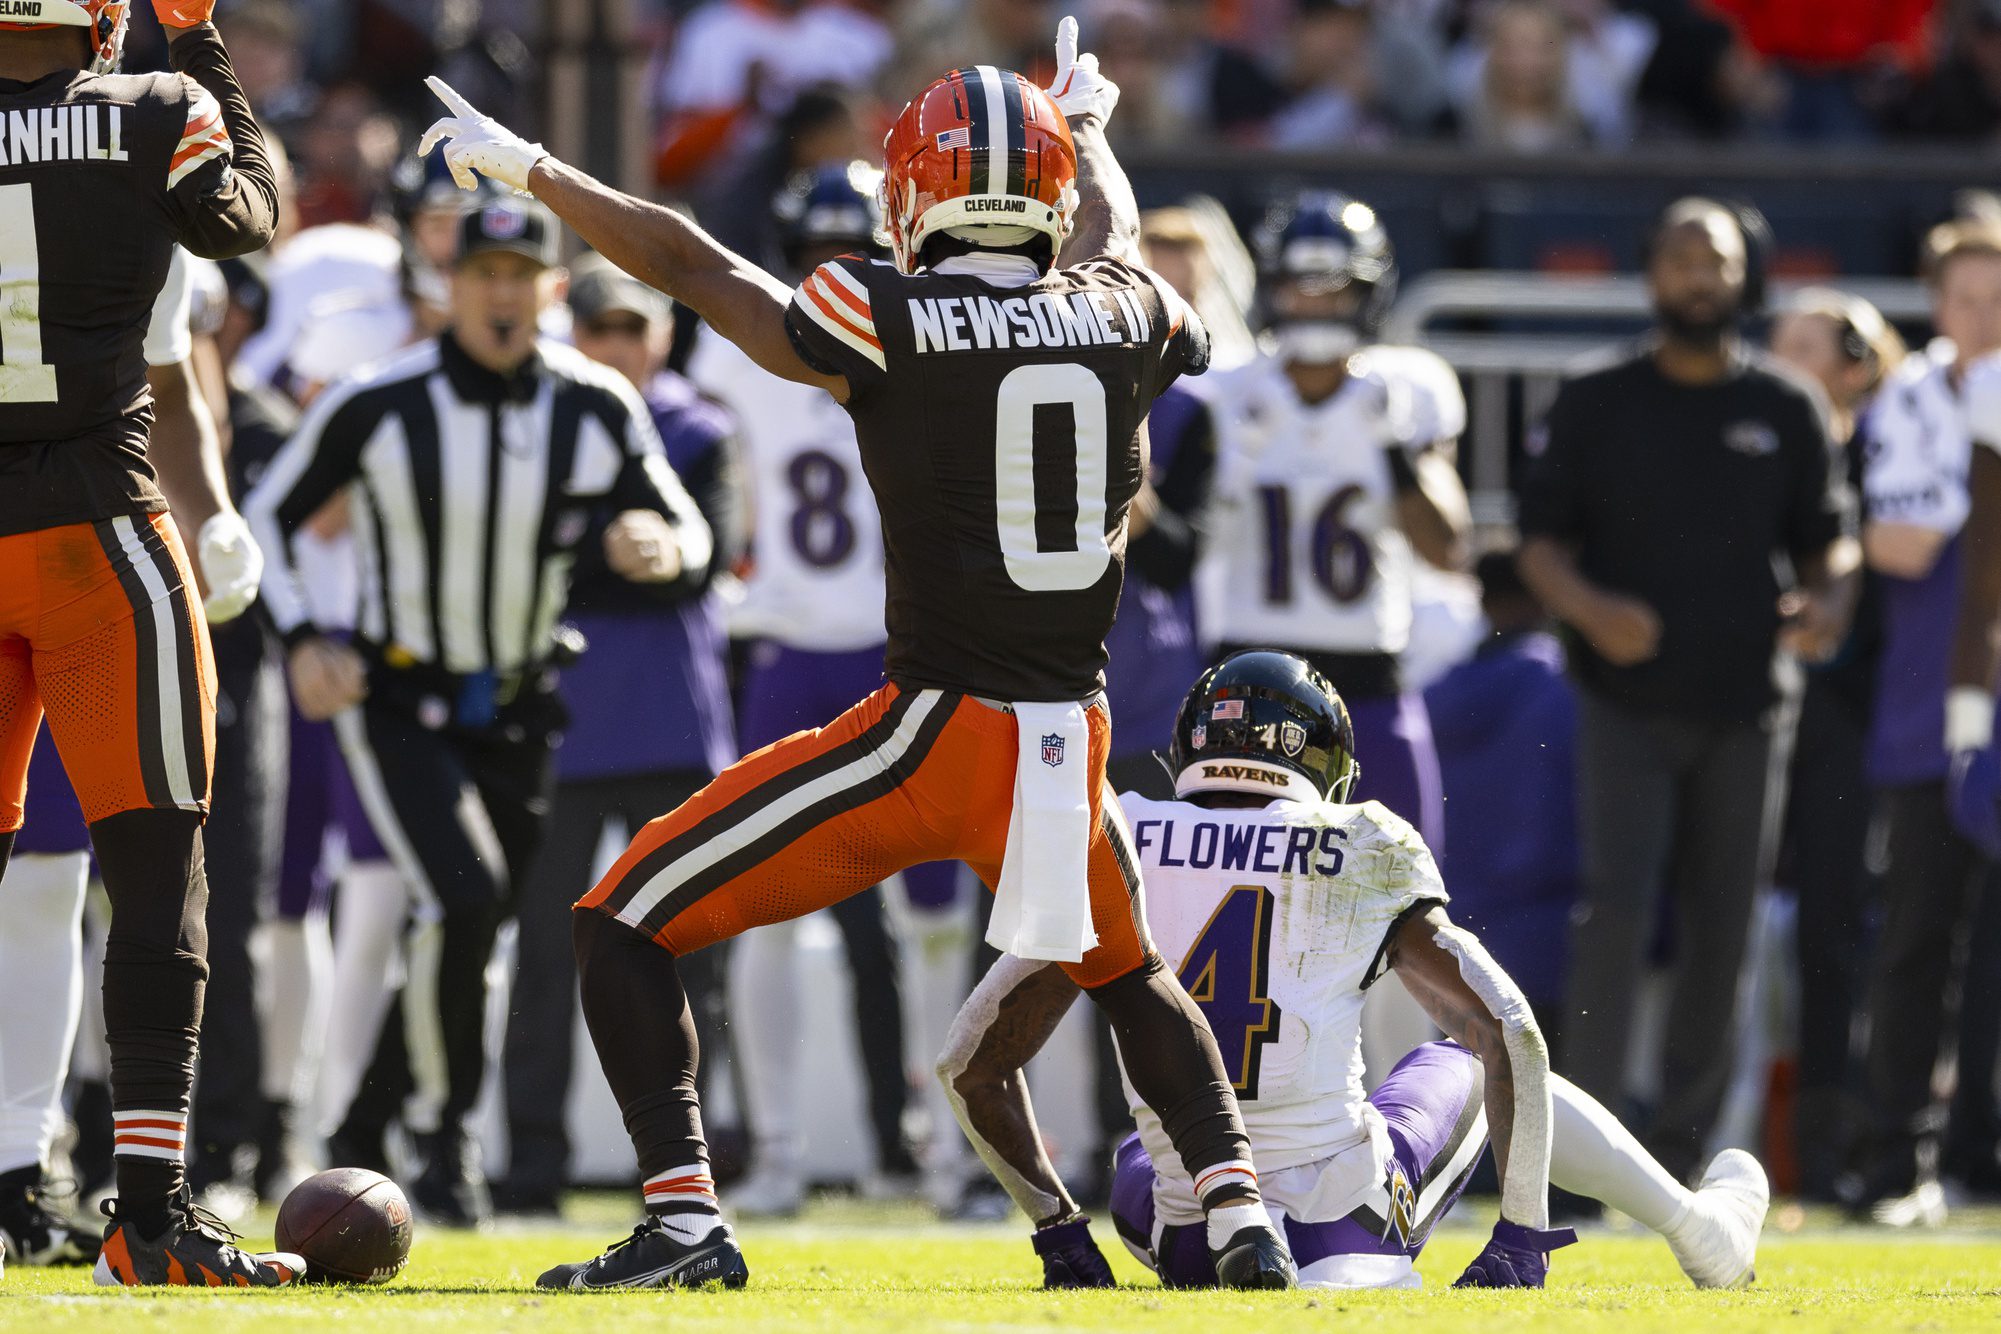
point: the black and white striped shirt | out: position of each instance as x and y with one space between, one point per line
470 494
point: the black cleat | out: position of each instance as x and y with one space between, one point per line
653 1257
32 1233
451 1190
1255 1258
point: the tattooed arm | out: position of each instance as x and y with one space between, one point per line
1004 1023
1465 992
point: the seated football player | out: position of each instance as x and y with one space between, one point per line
1282 902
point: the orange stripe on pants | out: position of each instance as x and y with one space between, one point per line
821 815
135 726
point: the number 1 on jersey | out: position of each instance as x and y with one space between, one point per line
1226 973
23 376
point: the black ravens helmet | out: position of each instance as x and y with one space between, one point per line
1267 723
831 206
1318 244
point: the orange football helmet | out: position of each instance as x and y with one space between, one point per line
103 20
980 147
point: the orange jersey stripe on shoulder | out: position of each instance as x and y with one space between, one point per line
840 317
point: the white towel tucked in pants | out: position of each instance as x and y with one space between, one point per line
1042 907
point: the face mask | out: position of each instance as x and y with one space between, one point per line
1315 342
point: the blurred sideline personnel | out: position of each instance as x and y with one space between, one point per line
813 605
41 933
1654 523
989 742
1940 889
1843 343
649 722
1334 473
1974 783
1341 893
124 166
1506 725
476 465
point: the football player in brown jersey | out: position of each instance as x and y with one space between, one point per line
101 175
999 375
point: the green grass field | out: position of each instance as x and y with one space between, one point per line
889 1269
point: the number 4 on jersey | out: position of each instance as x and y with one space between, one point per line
1225 973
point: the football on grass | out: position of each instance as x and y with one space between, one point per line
350 1224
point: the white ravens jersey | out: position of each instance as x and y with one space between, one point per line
1275 920
1921 430
1303 549
816 580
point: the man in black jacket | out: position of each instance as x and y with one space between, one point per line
1673 487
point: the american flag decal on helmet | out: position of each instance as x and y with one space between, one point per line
959 136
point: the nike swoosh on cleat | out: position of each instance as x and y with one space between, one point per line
581 1283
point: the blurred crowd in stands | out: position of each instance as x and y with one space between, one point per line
731 83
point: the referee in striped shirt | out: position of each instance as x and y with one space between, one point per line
475 467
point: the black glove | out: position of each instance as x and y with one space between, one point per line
1516 1257
1070 1258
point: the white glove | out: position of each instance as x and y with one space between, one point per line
479 144
1079 90
231 565
1969 719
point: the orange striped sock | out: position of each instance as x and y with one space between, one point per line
150 1134
684 1200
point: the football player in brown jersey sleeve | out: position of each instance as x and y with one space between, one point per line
999 374
101 175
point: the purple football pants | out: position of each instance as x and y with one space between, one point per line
1431 1102
319 797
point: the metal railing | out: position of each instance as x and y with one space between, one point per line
1506 335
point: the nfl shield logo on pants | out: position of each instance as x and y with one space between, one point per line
1052 749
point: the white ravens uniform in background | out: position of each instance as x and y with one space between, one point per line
1304 551
816 582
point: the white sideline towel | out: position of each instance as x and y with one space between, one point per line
1042 907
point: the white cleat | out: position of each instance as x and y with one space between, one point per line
768 1193
1717 1246
1925 1206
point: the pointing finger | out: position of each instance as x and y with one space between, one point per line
1066 44
451 98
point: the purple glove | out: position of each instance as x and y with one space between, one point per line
1070 1258
1516 1257
1973 797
